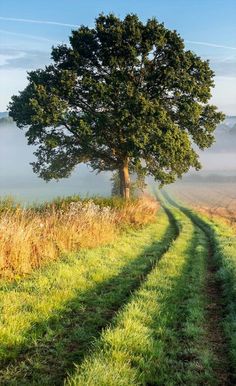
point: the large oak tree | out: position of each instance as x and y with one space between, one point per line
123 96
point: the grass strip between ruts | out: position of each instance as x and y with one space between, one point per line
158 337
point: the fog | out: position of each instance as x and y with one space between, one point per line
18 180
220 158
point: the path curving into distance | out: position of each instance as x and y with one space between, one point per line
144 311
215 307
170 332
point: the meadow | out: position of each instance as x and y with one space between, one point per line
137 289
137 293
214 199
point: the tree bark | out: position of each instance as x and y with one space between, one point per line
125 179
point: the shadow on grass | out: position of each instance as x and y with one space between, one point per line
54 345
172 356
180 355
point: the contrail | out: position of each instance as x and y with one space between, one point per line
39 38
210 44
76 26
38 22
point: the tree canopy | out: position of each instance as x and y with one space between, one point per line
124 95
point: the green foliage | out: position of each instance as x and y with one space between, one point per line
123 92
116 184
137 184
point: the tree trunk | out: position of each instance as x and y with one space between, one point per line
125 179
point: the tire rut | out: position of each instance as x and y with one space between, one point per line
214 315
214 309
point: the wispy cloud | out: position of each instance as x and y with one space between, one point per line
49 22
27 36
35 21
224 67
23 59
210 44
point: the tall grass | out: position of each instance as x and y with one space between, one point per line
32 237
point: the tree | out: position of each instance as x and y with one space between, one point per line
6 121
122 96
137 184
116 188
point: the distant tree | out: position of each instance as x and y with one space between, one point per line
116 189
6 121
137 184
233 130
123 96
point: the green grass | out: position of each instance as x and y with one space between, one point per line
158 338
129 313
50 320
224 242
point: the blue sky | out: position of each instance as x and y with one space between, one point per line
28 29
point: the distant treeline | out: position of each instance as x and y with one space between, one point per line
226 129
6 121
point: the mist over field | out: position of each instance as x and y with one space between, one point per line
212 189
19 181
219 161
221 157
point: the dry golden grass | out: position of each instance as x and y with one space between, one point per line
30 238
139 212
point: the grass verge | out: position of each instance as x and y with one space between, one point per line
32 237
49 321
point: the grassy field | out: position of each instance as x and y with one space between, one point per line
213 199
155 305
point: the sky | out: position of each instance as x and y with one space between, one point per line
29 28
